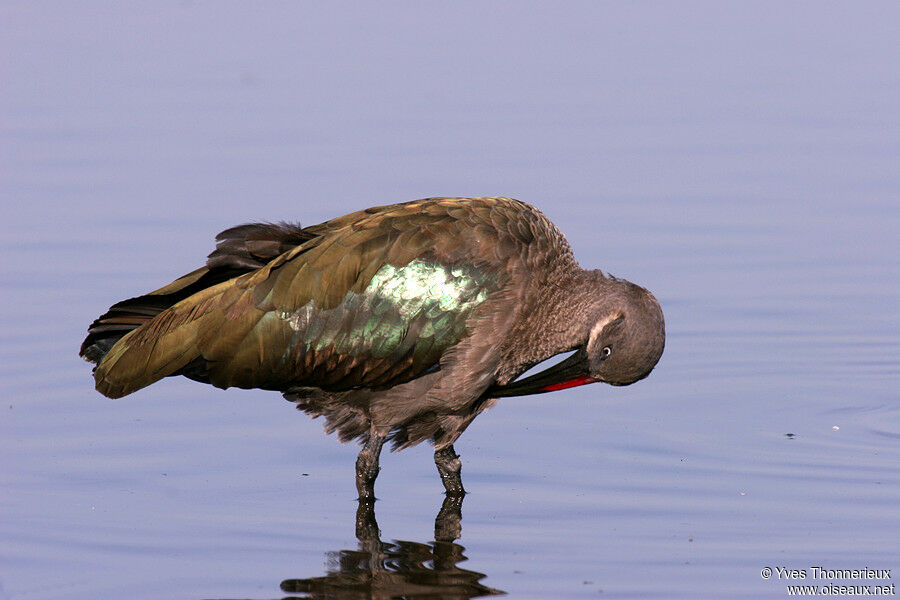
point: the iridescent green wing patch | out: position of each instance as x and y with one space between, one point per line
396 328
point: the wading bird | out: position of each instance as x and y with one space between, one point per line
399 322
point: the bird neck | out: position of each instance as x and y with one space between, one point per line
572 304
556 316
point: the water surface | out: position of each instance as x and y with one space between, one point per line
739 161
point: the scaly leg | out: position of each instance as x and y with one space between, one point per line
367 467
449 466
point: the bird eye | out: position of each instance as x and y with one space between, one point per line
605 352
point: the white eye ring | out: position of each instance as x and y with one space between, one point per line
605 352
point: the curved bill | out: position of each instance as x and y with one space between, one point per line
570 372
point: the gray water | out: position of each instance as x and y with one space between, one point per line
738 159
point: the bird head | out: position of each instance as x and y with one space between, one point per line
625 341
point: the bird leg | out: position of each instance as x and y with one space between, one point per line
449 466
367 467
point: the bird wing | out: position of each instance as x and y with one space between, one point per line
239 250
371 299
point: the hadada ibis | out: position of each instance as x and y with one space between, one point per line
399 322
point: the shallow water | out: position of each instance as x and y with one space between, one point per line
740 162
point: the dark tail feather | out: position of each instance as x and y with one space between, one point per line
130 314
254 245
239 250
116 322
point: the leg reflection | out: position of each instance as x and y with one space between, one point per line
448 523
399 568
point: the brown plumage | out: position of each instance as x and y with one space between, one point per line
398 322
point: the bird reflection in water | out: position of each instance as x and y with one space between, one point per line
399 569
